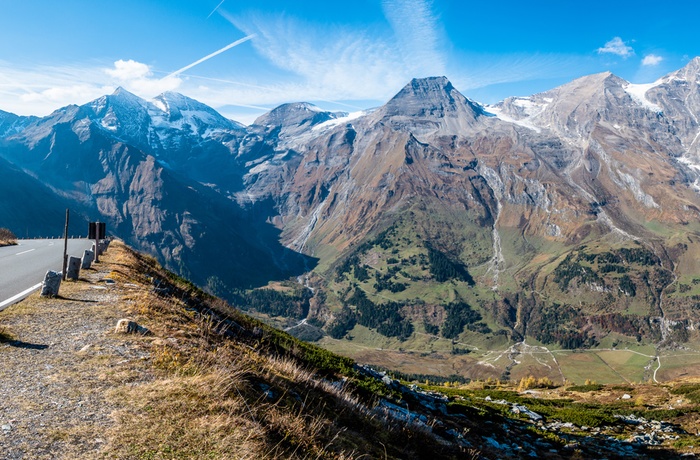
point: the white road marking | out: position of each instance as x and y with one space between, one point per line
24 252
17 297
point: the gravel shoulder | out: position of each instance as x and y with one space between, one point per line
59 360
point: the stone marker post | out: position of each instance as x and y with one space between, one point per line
88 257
73 268
51 283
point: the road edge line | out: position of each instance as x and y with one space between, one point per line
6 303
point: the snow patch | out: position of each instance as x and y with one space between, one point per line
498 113
638 91
689 163
259 168
339 121
530 107
160 105
636 189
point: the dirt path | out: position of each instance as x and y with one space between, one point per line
58 365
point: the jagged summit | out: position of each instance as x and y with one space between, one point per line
171 101
292 119
431 97
588 86
11 123
294 113
174 107
121 92
689 73
120 97
119 104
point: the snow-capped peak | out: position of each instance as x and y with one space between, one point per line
174 110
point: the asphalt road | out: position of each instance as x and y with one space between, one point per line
22 267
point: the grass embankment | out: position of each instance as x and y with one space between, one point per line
228 386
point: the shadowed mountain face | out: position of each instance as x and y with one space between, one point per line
588 191
126 161
31 208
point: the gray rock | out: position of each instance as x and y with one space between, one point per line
73 270
127 326
88 257
51 283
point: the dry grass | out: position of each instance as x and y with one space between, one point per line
220 391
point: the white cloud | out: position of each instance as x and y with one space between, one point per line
652 60
129 70
137 77
64 95
418 34
618 47
336 62
40 90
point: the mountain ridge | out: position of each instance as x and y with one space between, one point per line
484 220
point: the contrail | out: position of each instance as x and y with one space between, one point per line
215 53
269 88
217 7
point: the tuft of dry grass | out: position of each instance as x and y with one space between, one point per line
5 335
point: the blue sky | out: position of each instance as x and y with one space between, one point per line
340 55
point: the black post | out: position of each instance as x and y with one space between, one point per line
97 241
65 246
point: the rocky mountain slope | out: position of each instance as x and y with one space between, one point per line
569 217
147 170
587 189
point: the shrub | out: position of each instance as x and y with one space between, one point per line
6 236
586 388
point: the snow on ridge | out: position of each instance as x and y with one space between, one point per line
492 110
530 107
638 91
311 107
340 120
159 104
690 163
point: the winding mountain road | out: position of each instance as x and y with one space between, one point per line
22 267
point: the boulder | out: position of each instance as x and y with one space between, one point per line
51 283
73 270
127 326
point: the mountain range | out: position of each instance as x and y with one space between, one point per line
569 217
